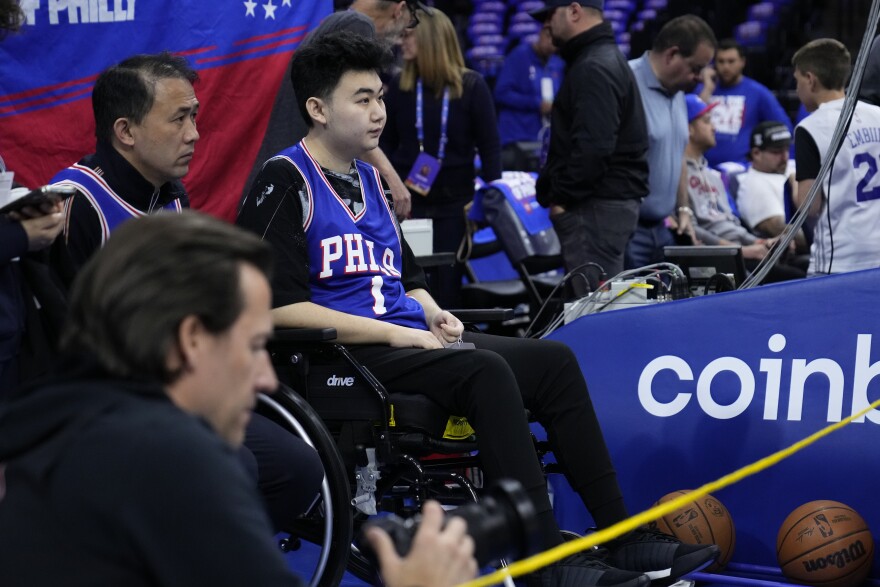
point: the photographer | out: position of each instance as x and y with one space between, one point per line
128 453
31 230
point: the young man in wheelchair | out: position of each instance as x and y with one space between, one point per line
341 263
121 468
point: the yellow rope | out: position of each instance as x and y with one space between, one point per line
542 559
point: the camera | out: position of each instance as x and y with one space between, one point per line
503 525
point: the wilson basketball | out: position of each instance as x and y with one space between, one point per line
703 521
825 543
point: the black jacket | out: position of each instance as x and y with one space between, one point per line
107 482
83 233
599 136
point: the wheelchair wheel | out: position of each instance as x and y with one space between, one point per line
328 523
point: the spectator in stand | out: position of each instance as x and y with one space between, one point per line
682 49
524 92
716 223
847 207
596 172
439 115
763 189
742 103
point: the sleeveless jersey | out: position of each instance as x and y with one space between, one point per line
355 260
111 209
847 233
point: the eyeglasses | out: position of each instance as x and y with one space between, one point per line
413 7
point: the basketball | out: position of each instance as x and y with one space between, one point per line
825 543
704 521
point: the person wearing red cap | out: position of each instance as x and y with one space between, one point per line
716 224
596 172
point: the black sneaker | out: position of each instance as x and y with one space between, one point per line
659 555
585 570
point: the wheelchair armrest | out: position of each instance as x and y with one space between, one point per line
483 314
304 334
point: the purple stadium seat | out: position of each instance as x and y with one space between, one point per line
522 29
483 28
623 38
530 5
624 48
763 11
627 6
490 40
655 4
491 6
647 14
617 26
751 33
521 17
487 17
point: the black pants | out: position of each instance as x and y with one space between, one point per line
595 231
491 386
287 470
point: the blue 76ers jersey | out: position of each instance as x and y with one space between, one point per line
111 208
355 259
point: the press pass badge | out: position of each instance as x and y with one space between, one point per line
423 173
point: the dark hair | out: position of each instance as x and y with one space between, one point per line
11 16
320 64
827 59
728 44
128 90
685 32
129 299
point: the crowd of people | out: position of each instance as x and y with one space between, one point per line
143 443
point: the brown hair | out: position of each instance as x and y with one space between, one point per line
439 62
827 59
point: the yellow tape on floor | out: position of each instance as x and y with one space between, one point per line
566 549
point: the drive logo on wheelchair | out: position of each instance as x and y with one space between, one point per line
335 381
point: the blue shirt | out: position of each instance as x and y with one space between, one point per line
667 137
518 92
740 108
355 259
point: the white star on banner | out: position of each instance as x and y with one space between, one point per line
285 2
270 10
249 6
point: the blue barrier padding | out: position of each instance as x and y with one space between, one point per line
691 390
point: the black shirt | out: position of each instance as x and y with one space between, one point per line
107 482
274 209
599 135
82 232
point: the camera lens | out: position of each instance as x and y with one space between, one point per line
503 525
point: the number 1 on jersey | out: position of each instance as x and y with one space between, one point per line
376 290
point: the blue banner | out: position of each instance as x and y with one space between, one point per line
691 390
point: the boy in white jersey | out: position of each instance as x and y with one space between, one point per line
343 264
847 209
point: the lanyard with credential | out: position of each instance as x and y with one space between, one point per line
420 123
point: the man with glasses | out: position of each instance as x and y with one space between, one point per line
683 47
384 20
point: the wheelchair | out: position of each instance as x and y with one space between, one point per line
381 452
